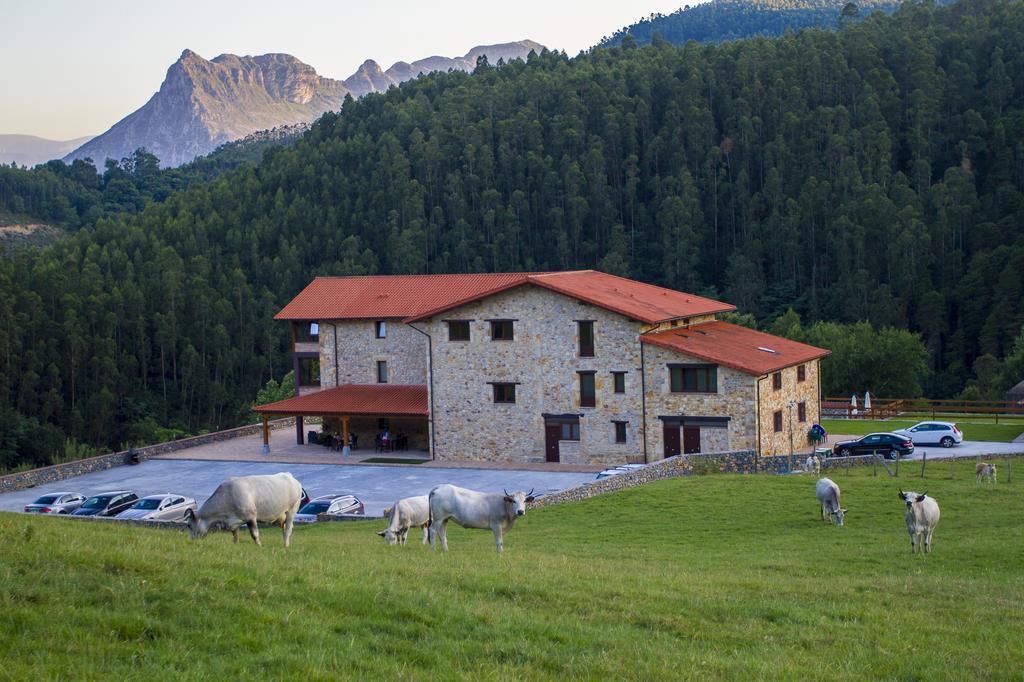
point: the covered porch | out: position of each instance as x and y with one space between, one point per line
383 419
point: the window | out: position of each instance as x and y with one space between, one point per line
777 421
801 412
620 431
380 329
571 431
693 378
458 330
777 381
307 332
586 334
619 382
588 394
309 371
801 373
382 371
504 393
501 330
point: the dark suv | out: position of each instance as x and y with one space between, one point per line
107 504
887 444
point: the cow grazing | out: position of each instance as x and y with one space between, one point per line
813 463
472 509
828 497
249 500
985 472
922 517
405 514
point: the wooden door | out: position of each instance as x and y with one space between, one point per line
691 439
552 433
671 440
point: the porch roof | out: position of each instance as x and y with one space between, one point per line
375 400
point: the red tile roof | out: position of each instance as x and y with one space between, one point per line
384 400
747 350
415 297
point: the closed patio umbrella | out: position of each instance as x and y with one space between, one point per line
867 401
853 403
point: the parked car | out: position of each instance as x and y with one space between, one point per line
945 434
622 469
107 504
56 503
887 444
305 499
165 507
335 504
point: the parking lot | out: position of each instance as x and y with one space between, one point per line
376 486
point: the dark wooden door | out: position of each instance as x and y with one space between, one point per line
691 439
671 440
552 433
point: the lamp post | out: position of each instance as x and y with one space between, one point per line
789 405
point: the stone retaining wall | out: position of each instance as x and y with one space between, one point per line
58 472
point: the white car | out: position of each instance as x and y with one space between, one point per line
56 503
335 505
945 434
619 470
165 507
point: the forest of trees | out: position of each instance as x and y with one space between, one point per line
719 20
874 174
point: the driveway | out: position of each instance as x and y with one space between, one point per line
376 486
969 448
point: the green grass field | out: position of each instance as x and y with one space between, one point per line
706 577
1003 432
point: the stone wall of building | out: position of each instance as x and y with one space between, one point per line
358 350
543 361
734 399
778 443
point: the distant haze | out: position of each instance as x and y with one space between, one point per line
28 150
75 67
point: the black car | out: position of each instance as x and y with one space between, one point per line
107 504
887 444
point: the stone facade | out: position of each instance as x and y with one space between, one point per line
771 401
544 363
733 399
358 351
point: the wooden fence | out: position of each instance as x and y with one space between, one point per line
882 408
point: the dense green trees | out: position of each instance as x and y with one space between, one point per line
873 174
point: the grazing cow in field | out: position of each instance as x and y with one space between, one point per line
472 509
407 513
249 500
828 497
922 517
985 472
813 463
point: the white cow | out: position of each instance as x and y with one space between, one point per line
828 497
922 516
405 514
472 509
813 463
985 472
249 499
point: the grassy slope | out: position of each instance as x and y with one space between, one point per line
721 576
1003 432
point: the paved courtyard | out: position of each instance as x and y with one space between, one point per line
376 486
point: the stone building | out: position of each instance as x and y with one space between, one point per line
575 366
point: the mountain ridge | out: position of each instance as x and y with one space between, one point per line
202 104
30 150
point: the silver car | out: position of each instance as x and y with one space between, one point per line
335 504
165 507
945 434
56 503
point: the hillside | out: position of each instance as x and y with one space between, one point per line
203 104
769 173
29 150
719 20
672 580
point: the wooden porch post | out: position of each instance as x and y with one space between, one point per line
344 431
266 434
298 431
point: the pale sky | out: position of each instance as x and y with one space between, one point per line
70 68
